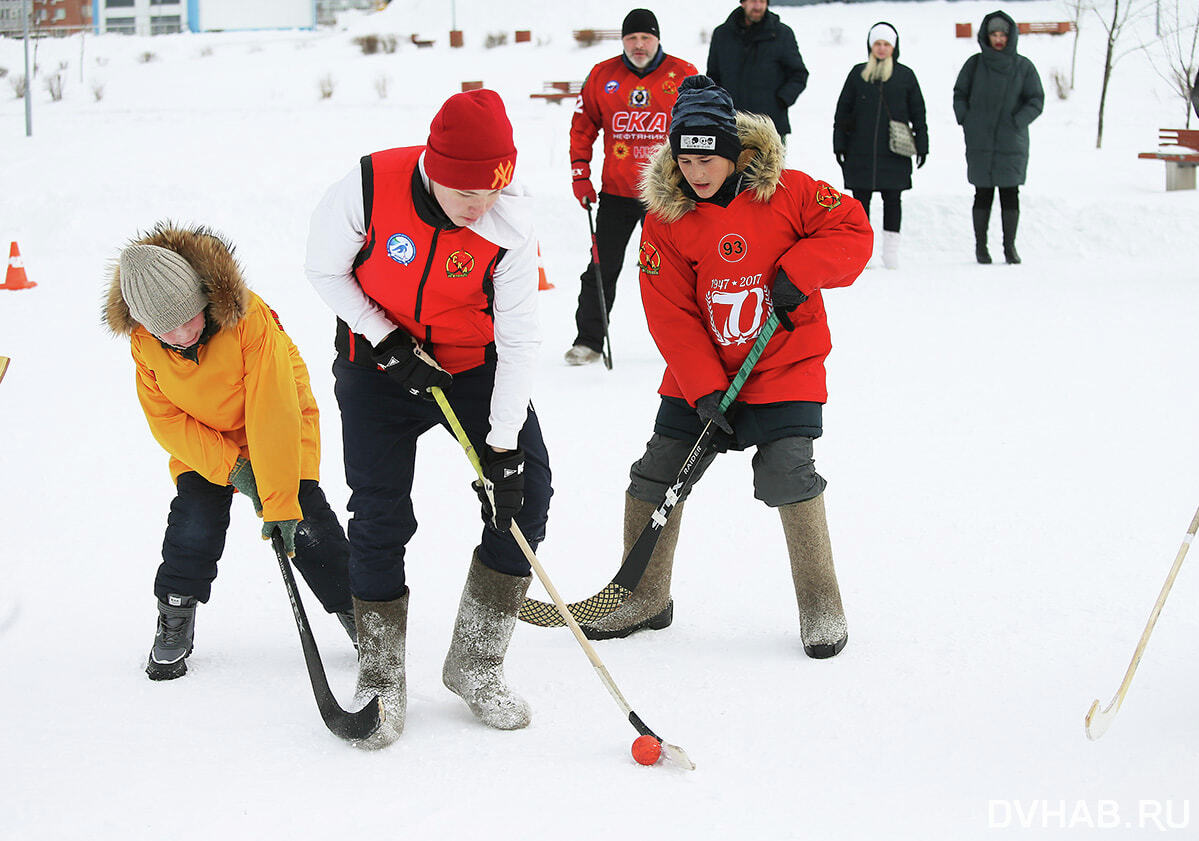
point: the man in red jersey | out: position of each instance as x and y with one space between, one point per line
731 234
428 257
629 98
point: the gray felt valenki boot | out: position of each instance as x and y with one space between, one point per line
474 666
382 630
821 618
649 605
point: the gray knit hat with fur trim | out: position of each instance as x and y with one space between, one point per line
162 289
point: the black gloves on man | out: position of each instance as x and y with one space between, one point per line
402 358
504 473
785 298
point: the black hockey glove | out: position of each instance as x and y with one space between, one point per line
785 298
400 357
504 475
708 409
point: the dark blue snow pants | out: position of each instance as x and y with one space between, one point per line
380 423
195 541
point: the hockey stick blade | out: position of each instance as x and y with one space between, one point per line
610 599
1097 720
351 726
674 754
3 367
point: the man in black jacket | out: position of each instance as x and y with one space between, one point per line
753 56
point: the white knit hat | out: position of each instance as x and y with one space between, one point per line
882 32
161 289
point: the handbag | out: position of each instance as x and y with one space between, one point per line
901 140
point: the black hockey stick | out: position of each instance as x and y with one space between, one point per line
599 287
609 599
351 726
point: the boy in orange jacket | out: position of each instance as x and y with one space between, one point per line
226 394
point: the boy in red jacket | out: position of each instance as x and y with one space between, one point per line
729 235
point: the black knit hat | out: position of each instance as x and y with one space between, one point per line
703 121
640 20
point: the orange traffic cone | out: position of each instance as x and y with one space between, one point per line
542 283
15 278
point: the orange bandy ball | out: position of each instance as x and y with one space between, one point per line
646 750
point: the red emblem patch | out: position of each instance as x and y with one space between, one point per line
459 264
648 259
826 196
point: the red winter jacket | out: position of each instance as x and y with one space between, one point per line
707 271
634 113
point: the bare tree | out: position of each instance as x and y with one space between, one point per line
1076 9
1175 54
1124 15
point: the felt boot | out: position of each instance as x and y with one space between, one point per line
821 618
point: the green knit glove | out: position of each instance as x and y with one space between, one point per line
242 478
287 530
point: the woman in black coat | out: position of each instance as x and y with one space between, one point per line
876 92
997 95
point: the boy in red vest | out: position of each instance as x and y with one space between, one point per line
427 255
629 98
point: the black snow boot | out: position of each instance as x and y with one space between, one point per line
1010 218
982 221
173 638
346 618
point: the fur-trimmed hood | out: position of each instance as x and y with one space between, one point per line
761 163
212 258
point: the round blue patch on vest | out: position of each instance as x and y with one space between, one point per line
401 248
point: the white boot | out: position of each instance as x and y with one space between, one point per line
891 249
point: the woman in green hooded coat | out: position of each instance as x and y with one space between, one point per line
997 95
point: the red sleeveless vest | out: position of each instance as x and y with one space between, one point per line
435 283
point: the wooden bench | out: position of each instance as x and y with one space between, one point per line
587 37
1061 27
1180 166
558 91
419 42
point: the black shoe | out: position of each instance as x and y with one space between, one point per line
346 618
1009 254
655 623
173 638
982 255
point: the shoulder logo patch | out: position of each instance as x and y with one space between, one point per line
459 264
401 248
648 259
826 196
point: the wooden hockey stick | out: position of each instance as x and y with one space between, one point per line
1097 721
3 366
673 753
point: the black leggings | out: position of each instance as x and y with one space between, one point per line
1009 198
891 208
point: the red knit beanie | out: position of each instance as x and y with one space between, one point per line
470 143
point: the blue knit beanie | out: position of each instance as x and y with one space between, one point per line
703 121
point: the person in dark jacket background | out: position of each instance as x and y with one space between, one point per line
753 56
997 95
876 92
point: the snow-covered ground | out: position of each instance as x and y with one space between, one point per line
1011 453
